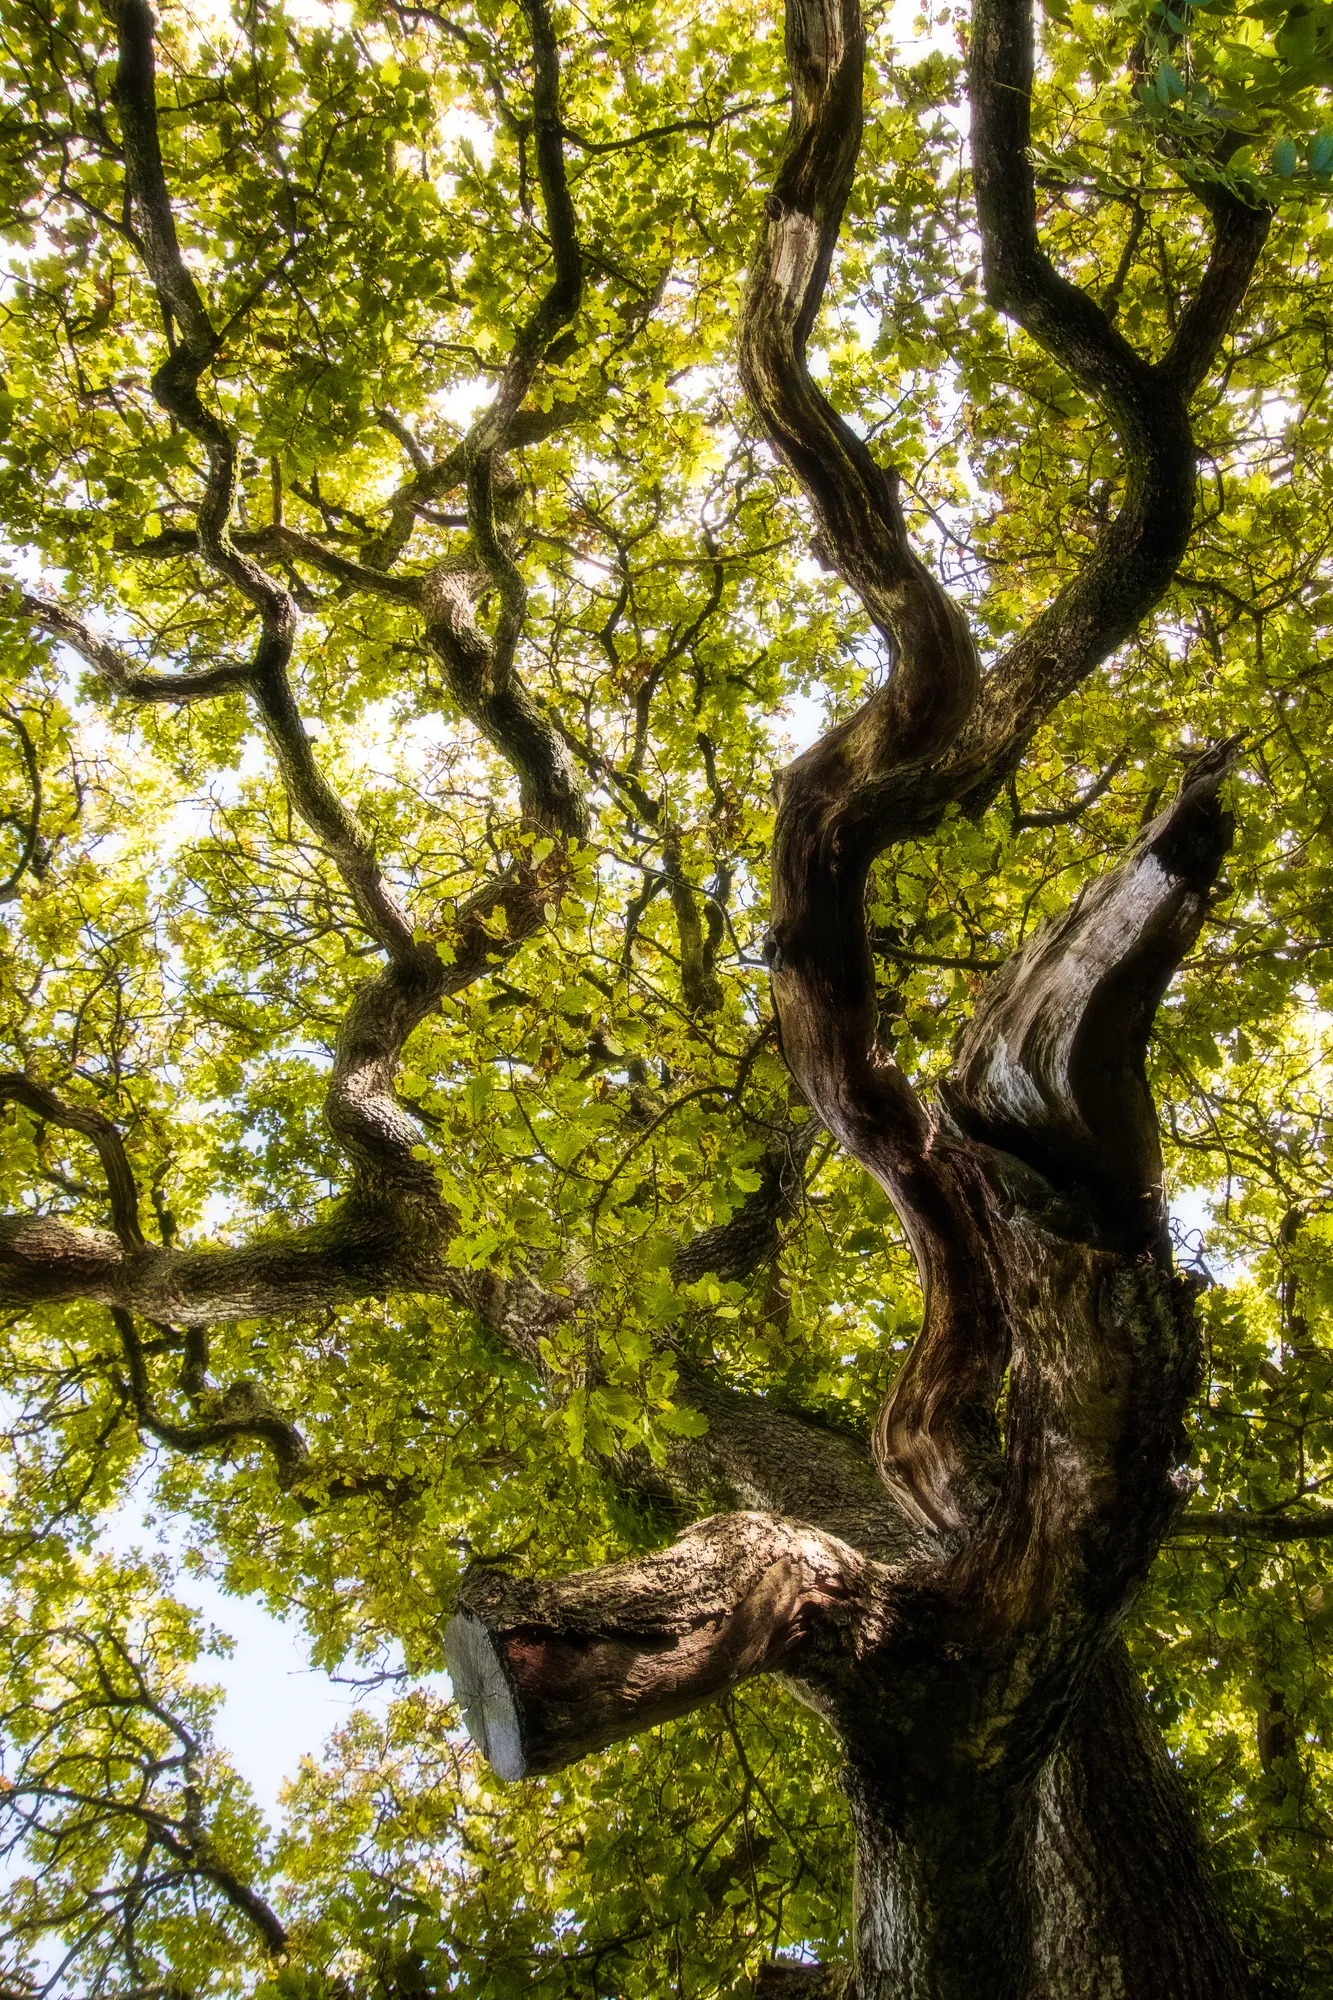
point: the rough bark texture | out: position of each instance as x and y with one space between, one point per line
548 1671
785 1979
1117 1861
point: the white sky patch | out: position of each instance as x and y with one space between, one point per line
918 32
462 126
277 1708
801 721
1192 1213
701 382
321 13
464 401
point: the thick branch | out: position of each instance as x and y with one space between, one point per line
30 831
1051 1066
560 302
1020 279
844 800
1237 1524
363 1112
546 1672
1239 233
1137 554
920 744
740 1247
758 1455
360 576
487 689
195 1849
243 1413
119 673
938 1434
176 383
363 1254
1050 1079
481 670
361 1108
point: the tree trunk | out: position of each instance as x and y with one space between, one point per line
1087 1885
1020 1831
1126 1906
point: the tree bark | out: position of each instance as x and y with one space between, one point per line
1127 1906
546 1672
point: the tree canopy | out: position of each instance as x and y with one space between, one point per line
407 615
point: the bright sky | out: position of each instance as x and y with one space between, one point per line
277 1708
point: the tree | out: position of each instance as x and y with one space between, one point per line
408 601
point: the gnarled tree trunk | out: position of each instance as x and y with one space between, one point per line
1020 1829
1019 1826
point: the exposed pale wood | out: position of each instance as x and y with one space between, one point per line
483 1692
1051 1065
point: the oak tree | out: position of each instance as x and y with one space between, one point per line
527 1173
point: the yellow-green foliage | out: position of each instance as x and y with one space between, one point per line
354 191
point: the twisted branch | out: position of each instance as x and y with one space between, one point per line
120 673
1138 552
930 738
29 831
245 1414
861 529
480 670
122 1189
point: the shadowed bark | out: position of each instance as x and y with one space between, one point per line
1117 1857
785 1979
